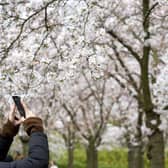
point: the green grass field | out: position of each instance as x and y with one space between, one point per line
107 159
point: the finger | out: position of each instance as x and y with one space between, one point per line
21 120
28 112
12 112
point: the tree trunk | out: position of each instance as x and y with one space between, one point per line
135 156
92 156
135 152
156 150
156 140
70 157
24 140
25 148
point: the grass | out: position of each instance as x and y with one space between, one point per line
116 158
107 159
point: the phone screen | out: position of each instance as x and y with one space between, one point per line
19 105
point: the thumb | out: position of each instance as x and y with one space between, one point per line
28 112
12 113
21 120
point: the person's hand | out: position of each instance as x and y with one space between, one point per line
11 127
28 112
15 120
31 122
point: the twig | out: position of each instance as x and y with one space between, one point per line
149 12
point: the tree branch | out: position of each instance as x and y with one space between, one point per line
149 12
4 4
6 51
46 20
131 79
130 49
73 120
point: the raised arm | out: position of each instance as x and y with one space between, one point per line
8 131
38 156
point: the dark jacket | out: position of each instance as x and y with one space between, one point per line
38 156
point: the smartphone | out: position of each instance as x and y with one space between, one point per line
19 105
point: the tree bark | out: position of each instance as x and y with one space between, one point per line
135 152
70 157
135 156
156 150
92 156
25 148
24 140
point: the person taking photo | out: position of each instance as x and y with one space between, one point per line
38 154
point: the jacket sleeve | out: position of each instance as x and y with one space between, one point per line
38 156
4 147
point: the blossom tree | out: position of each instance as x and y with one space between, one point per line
46 44
88 102
134 36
